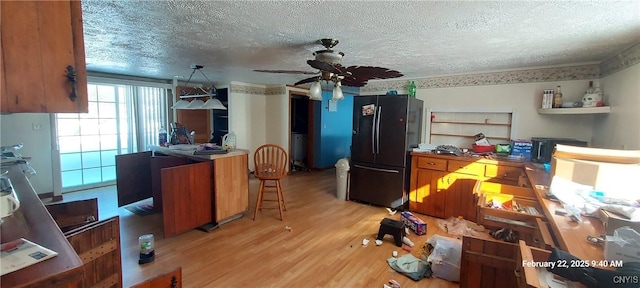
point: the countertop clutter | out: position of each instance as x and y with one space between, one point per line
452 186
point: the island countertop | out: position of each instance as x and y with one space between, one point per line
178 151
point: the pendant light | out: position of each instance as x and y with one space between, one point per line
212 103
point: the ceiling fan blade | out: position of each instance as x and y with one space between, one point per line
286 71
352 81
324 66
365 73
308 80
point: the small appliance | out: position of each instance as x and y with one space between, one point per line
543 147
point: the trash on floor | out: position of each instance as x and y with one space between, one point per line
410 266
459 226
416 224
445 257
407 241
365 242
394 283
288 228
391 211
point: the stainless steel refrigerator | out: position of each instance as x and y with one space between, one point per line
385 129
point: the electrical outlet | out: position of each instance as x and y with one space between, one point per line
36 126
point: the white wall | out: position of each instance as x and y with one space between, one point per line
620 129
247 120
277 120
524 99
18 128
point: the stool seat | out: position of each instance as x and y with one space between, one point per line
391 227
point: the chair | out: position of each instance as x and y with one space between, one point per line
270 163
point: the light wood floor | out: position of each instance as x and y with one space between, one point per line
324 248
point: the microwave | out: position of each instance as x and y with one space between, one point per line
543 147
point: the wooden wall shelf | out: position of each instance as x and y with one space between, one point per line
589 110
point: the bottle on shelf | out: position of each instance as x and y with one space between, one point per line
162 137
557 98
590 90
412 89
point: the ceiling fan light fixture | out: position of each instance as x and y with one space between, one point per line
337 92
315 91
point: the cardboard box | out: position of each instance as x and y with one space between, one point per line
522 147
414 223
612 221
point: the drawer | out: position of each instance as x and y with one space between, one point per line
508 173
510 207
471 168
529 276
432 163
498 187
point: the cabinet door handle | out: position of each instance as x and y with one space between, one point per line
71 75
431 163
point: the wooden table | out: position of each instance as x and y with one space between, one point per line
33 222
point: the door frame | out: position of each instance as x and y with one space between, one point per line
310 122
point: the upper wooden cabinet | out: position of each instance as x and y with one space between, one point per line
42 43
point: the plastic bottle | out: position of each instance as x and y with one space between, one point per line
412 89
162 136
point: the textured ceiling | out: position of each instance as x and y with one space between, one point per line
160 39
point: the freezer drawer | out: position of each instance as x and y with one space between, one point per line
379 186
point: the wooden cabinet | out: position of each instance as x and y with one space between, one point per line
190 190
42 46
425 196
443 186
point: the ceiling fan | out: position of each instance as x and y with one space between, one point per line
328 62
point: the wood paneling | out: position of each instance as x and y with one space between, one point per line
187 197
488 263
231 188
71 215
133 177
98 245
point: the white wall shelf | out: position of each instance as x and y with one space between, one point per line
588 110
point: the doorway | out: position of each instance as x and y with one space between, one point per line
301 132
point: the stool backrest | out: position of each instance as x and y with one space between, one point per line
270 161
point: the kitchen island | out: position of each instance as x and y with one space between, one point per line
190 190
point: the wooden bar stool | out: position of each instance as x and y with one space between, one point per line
270 166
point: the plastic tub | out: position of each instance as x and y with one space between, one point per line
483 149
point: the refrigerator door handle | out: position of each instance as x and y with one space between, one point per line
373 132
378 130
377 169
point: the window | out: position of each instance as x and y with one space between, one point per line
121 119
